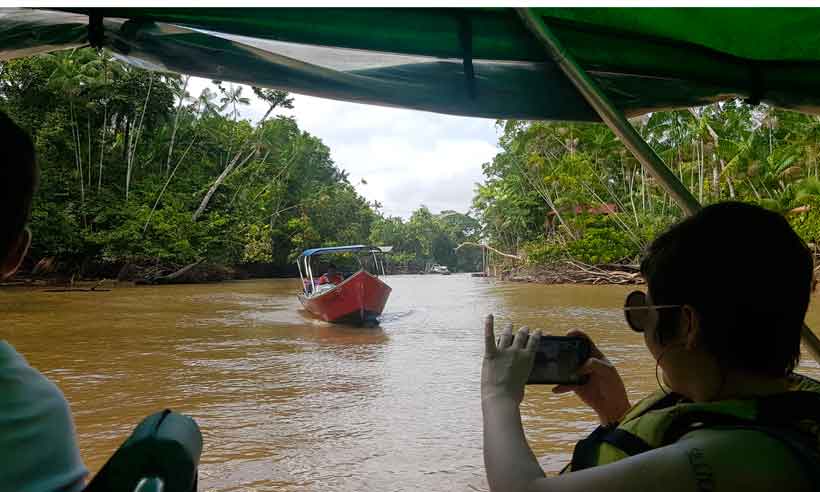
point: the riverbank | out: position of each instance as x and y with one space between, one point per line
52 273
573 272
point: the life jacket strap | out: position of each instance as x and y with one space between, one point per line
773 415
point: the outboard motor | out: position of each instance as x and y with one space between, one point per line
161 455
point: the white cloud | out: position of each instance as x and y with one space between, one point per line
408 158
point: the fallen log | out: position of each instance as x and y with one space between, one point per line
501 253
575 272
171 277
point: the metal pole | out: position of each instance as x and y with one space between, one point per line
611 115
309 269
301 277
617 122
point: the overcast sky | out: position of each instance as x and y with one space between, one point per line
408 158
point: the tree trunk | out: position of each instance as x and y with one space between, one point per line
643 190
728 179
133 149
700 171
75 131
176 126
230 167
125 123
489 248
692 169
128 162
90 159
102 148
632 197
170 278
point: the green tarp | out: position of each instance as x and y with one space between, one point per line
476 62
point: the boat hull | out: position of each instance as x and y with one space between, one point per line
361 297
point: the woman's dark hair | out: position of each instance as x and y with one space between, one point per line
747 274
18 180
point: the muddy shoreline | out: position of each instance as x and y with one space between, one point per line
572 272
97 276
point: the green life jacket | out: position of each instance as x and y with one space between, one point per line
792 417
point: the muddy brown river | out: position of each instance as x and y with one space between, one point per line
288 403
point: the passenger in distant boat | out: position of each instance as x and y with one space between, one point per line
331 276
727 294
38 448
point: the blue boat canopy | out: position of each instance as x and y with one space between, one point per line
346 249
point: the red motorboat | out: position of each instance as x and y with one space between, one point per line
357 298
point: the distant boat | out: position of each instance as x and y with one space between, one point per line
440 269
358 298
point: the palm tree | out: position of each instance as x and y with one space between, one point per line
206 104
74 72
232 96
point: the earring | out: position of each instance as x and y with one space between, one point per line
657 377
658 365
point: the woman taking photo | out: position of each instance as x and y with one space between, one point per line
727 293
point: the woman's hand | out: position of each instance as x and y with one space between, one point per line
507 365
604 392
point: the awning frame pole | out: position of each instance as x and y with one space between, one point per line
301 277
620 126
611 115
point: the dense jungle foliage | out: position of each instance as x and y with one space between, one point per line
560 190
135 170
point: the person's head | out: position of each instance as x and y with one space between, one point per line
742 278
331 268
18 180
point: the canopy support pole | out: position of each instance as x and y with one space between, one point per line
620 126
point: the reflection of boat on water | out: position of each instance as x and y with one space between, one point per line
359 297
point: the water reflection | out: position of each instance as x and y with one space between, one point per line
287 402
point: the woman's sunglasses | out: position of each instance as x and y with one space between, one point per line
639 314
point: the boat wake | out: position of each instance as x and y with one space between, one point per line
394 316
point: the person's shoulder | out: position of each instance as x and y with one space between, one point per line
753 458
19 380
36 428
26 391
736 459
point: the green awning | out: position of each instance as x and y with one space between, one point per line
472 62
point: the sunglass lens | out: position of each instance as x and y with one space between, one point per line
637 319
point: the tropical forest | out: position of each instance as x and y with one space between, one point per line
140 178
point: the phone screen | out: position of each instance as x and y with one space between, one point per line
557 360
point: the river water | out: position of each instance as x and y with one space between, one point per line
289 403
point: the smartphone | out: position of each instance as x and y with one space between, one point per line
557 360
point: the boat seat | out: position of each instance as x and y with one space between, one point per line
162 454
